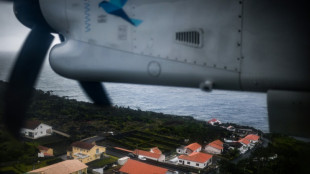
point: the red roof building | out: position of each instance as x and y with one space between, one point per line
45 151
137 167
215 147
194 147
214 120
196 159
155 150
244 141
252 137
150 155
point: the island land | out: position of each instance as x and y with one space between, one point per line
123 130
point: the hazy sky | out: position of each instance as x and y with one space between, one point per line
12 32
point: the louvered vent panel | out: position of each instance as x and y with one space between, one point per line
190 38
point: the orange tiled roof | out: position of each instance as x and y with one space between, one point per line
252 137
193 146
244 141
217 144
212 120
65 167
146 154
196 157
156 150
137 167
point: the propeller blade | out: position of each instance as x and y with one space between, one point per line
96 92
23 77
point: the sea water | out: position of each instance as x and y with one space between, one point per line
244 108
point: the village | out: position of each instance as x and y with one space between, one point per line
93 155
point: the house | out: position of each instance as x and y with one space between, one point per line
194 147
196 159
248 142
123 160
214 121
150 155
245 145
65 167
137 167
215 147
244 142
231 128
45 151
155 150
36 129
252 138
85 152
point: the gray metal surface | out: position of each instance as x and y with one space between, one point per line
251 45
105 64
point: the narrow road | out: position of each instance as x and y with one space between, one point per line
61 133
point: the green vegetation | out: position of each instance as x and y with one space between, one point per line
102 162
133 128
145 140
137 129
57 142
81 120
20 156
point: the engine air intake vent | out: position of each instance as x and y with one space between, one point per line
191 38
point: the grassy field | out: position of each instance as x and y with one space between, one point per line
57 142
146 140
102 162
23 167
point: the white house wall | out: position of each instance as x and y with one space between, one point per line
212 150
160 159
189 151
38 132
195 164
181 150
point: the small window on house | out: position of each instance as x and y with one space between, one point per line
197 164
41 132
180 161
40 126
97 150
188 162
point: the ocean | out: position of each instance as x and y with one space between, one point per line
244 108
